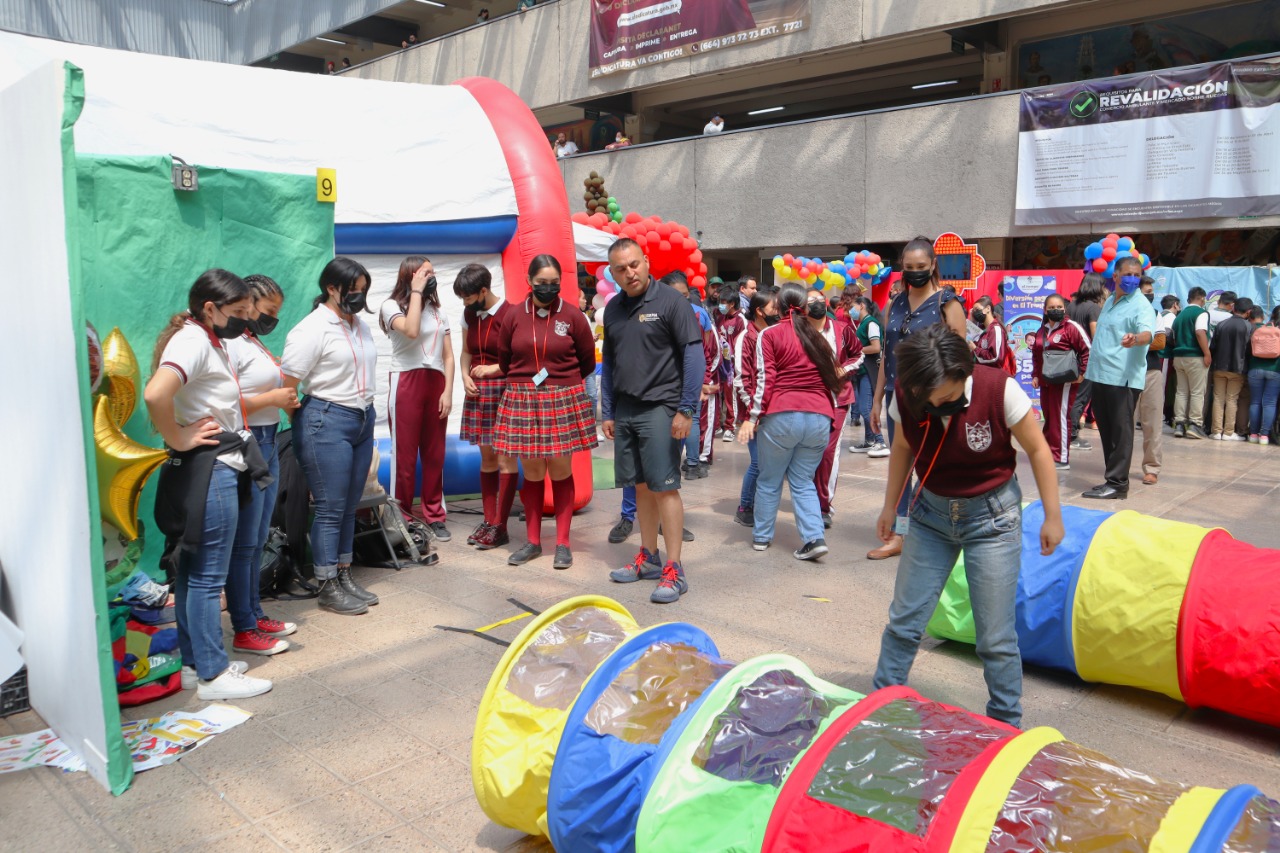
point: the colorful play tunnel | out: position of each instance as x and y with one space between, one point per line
606 737
1145 602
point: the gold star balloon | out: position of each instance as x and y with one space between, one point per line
122 380
123 468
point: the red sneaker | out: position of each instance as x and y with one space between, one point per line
257 643
276 628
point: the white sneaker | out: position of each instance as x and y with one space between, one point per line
190 679
880 451
728 435
1264 440
232 685
1253 439
1232 436
1217 436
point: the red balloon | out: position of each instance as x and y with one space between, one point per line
642 241
633 217
1108 253
874 258
796 265
787 259
663 246
1099 265
702 269
663 229
1135 253
1115 238
699 282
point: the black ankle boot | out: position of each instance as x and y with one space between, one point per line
354 589
334 598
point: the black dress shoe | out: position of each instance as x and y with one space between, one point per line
1106 493
526 553
564 557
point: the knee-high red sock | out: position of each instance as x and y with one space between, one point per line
489 494
562 496
506 497
531 496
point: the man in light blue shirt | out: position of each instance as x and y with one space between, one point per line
1118 371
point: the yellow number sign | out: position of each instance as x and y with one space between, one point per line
327 185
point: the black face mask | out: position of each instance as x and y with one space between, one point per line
917 278
234 328
817 310
772 319
1055 315
1151 297
429 286
979 317
353 302
264 325
947 409
546 293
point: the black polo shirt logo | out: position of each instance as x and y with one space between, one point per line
648 318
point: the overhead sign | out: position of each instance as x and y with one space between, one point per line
959 263
1191 143
629 34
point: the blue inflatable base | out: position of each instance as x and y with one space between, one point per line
486 235
461 467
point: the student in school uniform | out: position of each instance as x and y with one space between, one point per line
730 324
762 312
421 388
332 357
264 395
956 427
843 340
992 345
483 311
194 401
546 351
1056 398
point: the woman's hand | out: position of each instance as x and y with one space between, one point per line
885 524
199 434
485 371
419 282
469 386
446 405
1051 535
284 398
1035 382
746 432
875 417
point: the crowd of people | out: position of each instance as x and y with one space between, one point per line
781 370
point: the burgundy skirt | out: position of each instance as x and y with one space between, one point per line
551 420
479 414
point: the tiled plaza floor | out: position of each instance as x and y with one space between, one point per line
364 742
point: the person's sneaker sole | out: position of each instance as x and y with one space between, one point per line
354 611
274 649
812 553
759 545
668 594
650 572
1061 466
257 689
190 680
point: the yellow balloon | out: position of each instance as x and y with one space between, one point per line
121 376
123 469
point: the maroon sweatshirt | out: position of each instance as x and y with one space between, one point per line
786 380
1067 335
561 343
844 342
991 345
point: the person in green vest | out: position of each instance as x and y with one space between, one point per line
1191 360
862 312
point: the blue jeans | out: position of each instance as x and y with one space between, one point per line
866 393
987 529
693 442
1264 390
790 445
202 573
629 503
747 499
243 602
334 445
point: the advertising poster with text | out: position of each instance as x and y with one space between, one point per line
1024 297
1189 143
629 34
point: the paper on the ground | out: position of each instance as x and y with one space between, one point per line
37 749
163 740
10 642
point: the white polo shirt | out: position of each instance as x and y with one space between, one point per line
426 350
333 361
209 386
258 373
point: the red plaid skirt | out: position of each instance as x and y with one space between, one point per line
552 420
479 414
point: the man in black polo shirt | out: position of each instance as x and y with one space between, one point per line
650 381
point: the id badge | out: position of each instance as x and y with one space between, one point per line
540 377
901 525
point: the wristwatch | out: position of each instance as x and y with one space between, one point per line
687 411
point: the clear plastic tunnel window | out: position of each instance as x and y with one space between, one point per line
642 701
761 731
1072 798
1258 830
897 764
551 670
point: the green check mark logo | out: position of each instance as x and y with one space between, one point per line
1084 104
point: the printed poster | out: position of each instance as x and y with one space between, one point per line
1190 143
629 34
1024 297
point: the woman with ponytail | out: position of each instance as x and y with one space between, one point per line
921 304
762 312
264 395
332 357
797 380
421 392
194 402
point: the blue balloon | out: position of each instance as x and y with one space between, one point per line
1111 269
1093 252
1125 245
608 276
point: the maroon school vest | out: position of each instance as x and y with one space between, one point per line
978 453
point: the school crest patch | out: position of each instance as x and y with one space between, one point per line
562 328
978 436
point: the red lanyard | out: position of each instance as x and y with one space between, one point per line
533 331
928 424
435 338
485 342
361 384
268 354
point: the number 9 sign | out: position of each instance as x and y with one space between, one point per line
327 185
